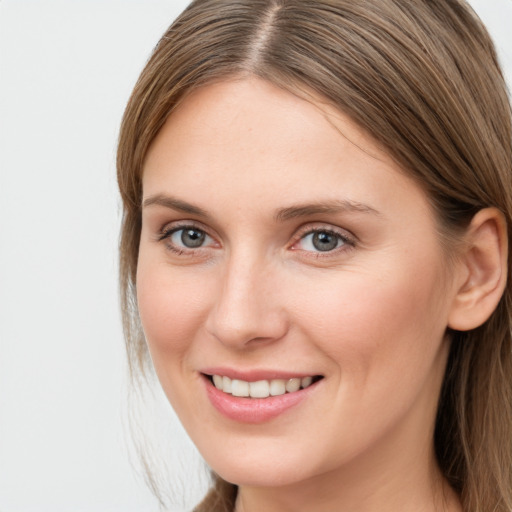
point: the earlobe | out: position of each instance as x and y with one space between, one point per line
484 262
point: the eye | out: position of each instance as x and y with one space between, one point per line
189 237
183 238
321 240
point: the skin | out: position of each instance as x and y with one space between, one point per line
369 316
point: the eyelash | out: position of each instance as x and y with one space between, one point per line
344 240
167 233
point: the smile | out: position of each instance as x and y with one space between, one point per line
258 400
261 388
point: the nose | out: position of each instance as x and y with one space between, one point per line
248 310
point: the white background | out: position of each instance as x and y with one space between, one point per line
66 70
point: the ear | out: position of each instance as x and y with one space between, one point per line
484 271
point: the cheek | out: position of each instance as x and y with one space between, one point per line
385 325
172 308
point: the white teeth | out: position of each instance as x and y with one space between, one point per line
293 385
218 381
239 388
306 382
277 387
226 384
261 388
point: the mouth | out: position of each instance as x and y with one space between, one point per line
261 388
256 399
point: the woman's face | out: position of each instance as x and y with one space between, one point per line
281 247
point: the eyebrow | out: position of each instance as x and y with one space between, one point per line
282 215
329 207
174 204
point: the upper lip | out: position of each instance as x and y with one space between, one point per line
254 375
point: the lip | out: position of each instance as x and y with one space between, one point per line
253 375
255 410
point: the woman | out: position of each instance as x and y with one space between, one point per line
317 208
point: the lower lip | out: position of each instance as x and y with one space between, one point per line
254 410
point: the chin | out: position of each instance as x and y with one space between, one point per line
267 475
262 468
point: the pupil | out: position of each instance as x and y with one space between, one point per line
325 241
192 238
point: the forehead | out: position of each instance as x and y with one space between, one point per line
248 138
258 103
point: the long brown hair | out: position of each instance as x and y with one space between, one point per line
420 76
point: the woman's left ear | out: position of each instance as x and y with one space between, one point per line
483 271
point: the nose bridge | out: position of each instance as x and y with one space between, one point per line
247 308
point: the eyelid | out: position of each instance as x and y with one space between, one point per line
348 238
168 229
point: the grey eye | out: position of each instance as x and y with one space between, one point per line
189 238
321 241
192 238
